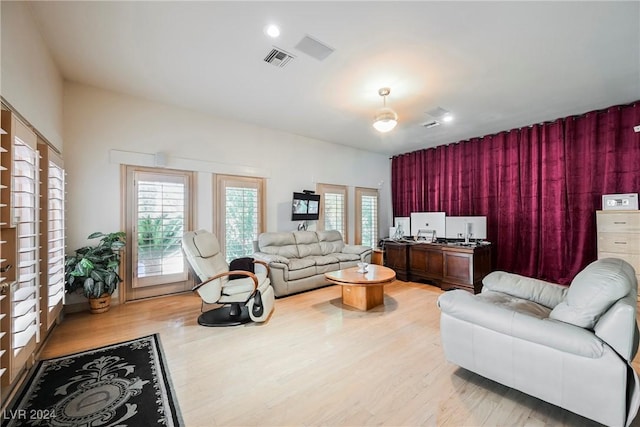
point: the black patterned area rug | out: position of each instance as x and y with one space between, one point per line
125 384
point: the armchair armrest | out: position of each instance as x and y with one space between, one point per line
355 249
263 263
618 328
229 273
269 258
558 335
538 291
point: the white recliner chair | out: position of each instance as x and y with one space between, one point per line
571 347
245 295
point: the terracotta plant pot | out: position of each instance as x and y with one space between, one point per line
101 304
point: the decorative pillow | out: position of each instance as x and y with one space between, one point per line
244 264
592 292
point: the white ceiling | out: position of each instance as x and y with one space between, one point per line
494 65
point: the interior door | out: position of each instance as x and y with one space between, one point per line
159 206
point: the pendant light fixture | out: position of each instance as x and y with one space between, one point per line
386 119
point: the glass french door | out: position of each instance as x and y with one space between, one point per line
367 217
159 213
239 213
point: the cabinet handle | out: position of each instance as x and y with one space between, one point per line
620 243
619 222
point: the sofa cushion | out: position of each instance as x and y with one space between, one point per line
283 244
593 291
307 242
519 305
324 259
545 293
346 257
330 241
321 269
300 273
300 263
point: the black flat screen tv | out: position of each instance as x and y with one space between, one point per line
305 207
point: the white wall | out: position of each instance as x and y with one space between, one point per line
103 129
29 79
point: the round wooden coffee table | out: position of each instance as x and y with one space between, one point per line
362 290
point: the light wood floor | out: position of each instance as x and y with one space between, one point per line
315 363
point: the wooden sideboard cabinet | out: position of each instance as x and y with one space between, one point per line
426 262
396 257
465 267
619 236
448 266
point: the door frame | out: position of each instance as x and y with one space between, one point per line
126 292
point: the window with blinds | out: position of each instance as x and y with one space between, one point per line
239 213
160 208
25 293
367 217
55 236
3 253
333 212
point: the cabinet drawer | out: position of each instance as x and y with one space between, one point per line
619 243
620 222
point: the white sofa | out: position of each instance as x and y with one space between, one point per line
571 347
299 259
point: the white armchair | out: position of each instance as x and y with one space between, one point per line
571 347
244 295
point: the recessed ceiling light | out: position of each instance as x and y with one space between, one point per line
272 31
447 118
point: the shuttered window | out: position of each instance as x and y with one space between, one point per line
55 236
367 217
239 214
160 212
333 215
25 293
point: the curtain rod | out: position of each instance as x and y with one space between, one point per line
7 105
573 117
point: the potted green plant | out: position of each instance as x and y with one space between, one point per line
93 270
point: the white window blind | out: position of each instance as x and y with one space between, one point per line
55 238
24 293
239 213
160 212
333 213
367 217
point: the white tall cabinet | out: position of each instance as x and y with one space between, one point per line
619 236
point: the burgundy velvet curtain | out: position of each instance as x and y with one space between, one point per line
538 186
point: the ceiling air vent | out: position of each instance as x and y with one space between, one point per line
432 124
278 57
314 48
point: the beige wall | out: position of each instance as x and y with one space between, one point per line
103 129
29 79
